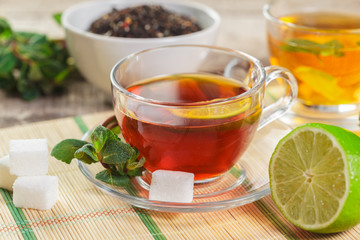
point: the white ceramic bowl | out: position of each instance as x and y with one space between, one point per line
95 54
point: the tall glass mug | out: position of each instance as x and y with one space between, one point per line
319 42
194 108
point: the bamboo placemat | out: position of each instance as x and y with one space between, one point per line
84 212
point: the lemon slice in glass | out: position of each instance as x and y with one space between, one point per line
315 178
215 111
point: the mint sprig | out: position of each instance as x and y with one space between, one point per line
31 65
119 159
330 48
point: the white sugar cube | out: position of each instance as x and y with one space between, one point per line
6 179
28 157
172 186
38 192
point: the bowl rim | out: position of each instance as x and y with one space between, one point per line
210 12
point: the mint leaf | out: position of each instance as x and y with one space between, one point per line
34 52
135 168
136 164
135 155
300 45
50 68
43 64
99 137
117 152
5 29
118 158
86 154
30 93
112 135
62 75
135 172
116 130
113 179
35 72
7 82
37 39
7 59
57 18
330 48
121 168
64 150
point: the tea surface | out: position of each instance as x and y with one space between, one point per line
206 141
188 88
324 20
325 65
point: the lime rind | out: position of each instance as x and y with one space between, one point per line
331 203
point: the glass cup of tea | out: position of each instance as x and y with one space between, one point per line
194 108
319 42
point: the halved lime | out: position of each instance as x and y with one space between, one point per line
315 178
215 111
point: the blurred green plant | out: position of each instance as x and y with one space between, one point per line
31 65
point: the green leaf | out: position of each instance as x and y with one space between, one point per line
37 40
134 156
300 45
330 48
135 172
46 86
62 75
65 150
51 68
118 158
30 93
32 65
121 168
136 164
116 130
35 72
135 168
117 152
24 37
35 52
57 18
112 135
86 154
7 60
7 82
99 137
113 179
5 29
22 84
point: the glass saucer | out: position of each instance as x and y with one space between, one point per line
297 116
300 114
246 182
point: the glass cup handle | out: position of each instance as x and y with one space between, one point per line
278 108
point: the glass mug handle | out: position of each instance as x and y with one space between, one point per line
278 108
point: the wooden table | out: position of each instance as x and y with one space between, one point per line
242 28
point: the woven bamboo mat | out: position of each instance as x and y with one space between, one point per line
84 212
